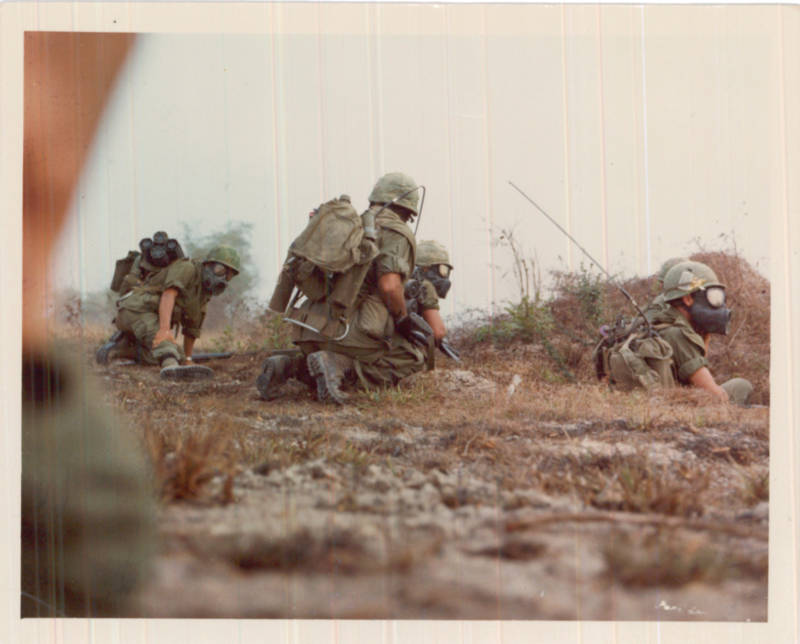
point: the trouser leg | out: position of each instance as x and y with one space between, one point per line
144 326
738 390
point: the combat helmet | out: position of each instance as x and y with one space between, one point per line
672 261
688 277
397 188
225 255
430 253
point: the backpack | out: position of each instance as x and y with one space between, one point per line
122 268
633 356
327 262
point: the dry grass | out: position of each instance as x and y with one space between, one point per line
556 338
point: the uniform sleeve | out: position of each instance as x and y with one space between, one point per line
179 275
427 298
394 255
687 355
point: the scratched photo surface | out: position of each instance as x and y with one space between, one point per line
566 153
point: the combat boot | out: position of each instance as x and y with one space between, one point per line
171 370
118 346
330 369
276 371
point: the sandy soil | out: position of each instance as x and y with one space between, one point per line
472 492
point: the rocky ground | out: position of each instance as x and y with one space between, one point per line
474 491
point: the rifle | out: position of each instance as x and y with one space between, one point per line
593 260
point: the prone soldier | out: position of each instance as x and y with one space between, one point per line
695 307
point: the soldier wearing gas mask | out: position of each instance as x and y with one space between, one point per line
176 295
429 283
157 252
697 308
384 342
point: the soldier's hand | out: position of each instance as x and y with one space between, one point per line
163 334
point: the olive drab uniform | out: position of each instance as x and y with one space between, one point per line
88 512
689 352
688 347
381 355
139 272
137 311
427 299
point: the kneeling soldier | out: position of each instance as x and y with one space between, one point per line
176 295
430 282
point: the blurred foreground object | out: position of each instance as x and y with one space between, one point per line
87 512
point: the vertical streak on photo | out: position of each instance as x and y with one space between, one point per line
138 45
488 179
225 128
565 111
600 101
378 78
636 128
644 131
787 294
276 199
78 189
368 24
321 90
449 137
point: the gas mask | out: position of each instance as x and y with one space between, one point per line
438 275
708 311
214 278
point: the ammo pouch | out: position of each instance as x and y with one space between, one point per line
122 268
641 360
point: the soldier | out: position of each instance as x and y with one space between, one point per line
380 347
430 282
695 308
175 295
131 271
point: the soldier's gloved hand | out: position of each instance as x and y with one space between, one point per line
414 329
163 335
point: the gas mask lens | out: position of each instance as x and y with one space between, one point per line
444 270
220 270
715 296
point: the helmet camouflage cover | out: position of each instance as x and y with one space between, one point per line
399 186
687 277
672 261
224 255
431 252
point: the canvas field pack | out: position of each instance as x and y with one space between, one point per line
121 269
326 263
635 358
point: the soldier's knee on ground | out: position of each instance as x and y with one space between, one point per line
738 390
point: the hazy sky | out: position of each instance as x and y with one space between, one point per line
644 136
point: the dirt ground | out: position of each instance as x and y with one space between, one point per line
475 491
